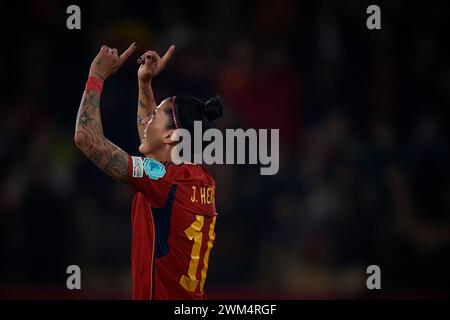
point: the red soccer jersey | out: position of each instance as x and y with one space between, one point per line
173 218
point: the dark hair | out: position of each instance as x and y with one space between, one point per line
189 109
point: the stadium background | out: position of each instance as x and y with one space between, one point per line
364 171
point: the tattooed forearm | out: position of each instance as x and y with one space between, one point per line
85 119
147 91
91 141
117 164
140 123
141 111
139 120
146 105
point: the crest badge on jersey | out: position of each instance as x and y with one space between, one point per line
138 167
154 169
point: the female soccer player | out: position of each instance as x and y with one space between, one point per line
173 210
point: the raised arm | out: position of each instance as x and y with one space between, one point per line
88 128
151 66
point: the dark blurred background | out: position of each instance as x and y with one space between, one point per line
364 158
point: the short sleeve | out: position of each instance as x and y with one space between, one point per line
149 177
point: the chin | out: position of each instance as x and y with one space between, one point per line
145 148
142 148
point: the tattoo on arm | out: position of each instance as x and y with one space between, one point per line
146 105
90 139
139 120
146 93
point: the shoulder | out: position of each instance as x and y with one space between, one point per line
168 171
188 173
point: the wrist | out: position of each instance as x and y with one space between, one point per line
94 83
145 82
97 75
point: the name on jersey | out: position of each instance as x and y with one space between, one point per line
204 195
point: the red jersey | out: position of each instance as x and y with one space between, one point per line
173 218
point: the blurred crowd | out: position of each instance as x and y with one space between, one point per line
364 152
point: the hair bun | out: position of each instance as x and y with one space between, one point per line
213 108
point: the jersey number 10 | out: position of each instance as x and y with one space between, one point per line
195 234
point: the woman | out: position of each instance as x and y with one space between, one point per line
173 211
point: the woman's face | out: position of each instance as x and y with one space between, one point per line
156 129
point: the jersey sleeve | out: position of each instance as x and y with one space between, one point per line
149 177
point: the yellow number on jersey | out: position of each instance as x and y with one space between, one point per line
194 233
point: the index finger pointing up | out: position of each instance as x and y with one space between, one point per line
168 55
127 53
